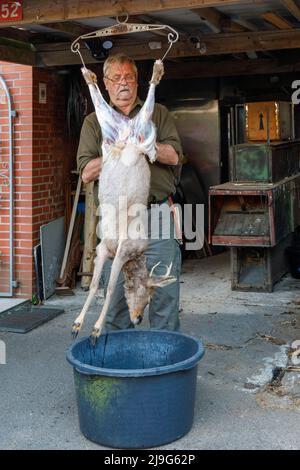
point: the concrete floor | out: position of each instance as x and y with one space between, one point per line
238 406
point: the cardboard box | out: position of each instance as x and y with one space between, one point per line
273 118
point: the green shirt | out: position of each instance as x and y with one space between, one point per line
163 177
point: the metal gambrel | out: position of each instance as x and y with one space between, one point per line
122 27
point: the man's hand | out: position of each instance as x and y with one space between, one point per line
166 154
92 170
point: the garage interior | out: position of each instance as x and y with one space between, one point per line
229 54
236 63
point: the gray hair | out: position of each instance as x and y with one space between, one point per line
120 59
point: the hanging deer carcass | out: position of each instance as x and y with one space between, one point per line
124 182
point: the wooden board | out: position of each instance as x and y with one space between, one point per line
52 245
90 237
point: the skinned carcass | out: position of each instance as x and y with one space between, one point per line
124 185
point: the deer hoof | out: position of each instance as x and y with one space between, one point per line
94 336
75 330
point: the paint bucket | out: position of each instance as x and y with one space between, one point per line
136 388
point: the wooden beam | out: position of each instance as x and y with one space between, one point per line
216 21
211 17
70 28
146 19
231 26
291 6
242 22
60 54
17 55
47 11
90 234
228 68
17 34
276 20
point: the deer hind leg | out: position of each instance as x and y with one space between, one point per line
116 268
102 255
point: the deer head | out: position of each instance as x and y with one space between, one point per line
140 286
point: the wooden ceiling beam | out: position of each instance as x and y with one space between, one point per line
50 11
70 28
216 21
16 55
147 19
276 20
211 17
291 6
230 26
229 68
225 43
244 23
17 34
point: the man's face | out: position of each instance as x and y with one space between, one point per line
121 84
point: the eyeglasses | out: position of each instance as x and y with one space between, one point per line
117 80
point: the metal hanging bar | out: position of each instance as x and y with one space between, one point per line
122 27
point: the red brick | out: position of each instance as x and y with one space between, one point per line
23 212
25 243
23 228
22 220
24 82
22 119
22 127
22 169
10 75
23 252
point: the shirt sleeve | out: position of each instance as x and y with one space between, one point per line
166 130
90 142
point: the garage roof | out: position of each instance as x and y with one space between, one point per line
211 32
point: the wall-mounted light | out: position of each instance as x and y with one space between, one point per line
155 45
107 44
198 44
99 49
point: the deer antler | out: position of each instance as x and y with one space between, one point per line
152 270
167 272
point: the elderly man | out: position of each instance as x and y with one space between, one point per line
120 79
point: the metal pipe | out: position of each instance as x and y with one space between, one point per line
12 113
293 121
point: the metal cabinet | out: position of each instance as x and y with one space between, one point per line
254 214
264 162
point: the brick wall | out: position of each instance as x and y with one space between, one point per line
41 162
18 78
49 151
